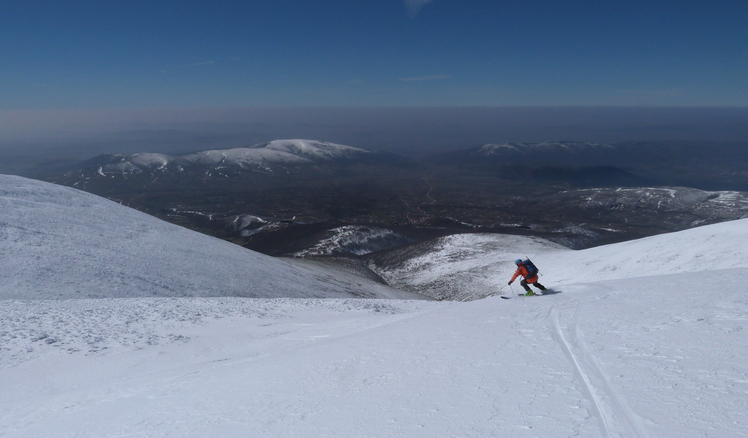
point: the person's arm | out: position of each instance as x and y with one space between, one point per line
514 277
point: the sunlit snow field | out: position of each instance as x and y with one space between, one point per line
641 339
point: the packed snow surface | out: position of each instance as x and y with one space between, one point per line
641 339
659 358
57 242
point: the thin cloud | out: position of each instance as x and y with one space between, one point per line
415 6
426 78
200 63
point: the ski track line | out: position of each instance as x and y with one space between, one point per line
634 424
578 371
631 425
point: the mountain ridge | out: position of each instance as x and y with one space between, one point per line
62 243
259 156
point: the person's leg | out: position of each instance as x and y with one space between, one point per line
539 286
524 284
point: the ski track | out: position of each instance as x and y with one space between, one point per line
613 413
587 388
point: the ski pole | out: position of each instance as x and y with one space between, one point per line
510 287
499 292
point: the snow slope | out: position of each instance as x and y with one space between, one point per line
459 267
619 353
622 358
315 150
57 242
722 246
471 266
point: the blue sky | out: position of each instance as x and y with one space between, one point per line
83 55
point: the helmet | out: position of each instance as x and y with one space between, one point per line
518 262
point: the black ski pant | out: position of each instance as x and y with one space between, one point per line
527 287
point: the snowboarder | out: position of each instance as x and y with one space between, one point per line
530 276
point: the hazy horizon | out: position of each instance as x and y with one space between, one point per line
30 138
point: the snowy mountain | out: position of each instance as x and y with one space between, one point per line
548 153
593 213
544 147
640 339
62 243
278 197
712 205
259 157
706 166
655 356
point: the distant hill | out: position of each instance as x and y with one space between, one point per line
291 197
549 153
702 165
220 169
258 157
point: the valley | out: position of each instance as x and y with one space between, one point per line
285 197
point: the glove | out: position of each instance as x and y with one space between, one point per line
510 283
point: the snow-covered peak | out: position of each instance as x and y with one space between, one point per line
278 153
61 243
548 146
315 149
150 160
242 156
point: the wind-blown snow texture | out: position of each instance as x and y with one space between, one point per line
642 350
57 242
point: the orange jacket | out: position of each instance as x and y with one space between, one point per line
522 270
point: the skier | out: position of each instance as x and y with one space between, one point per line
531 278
